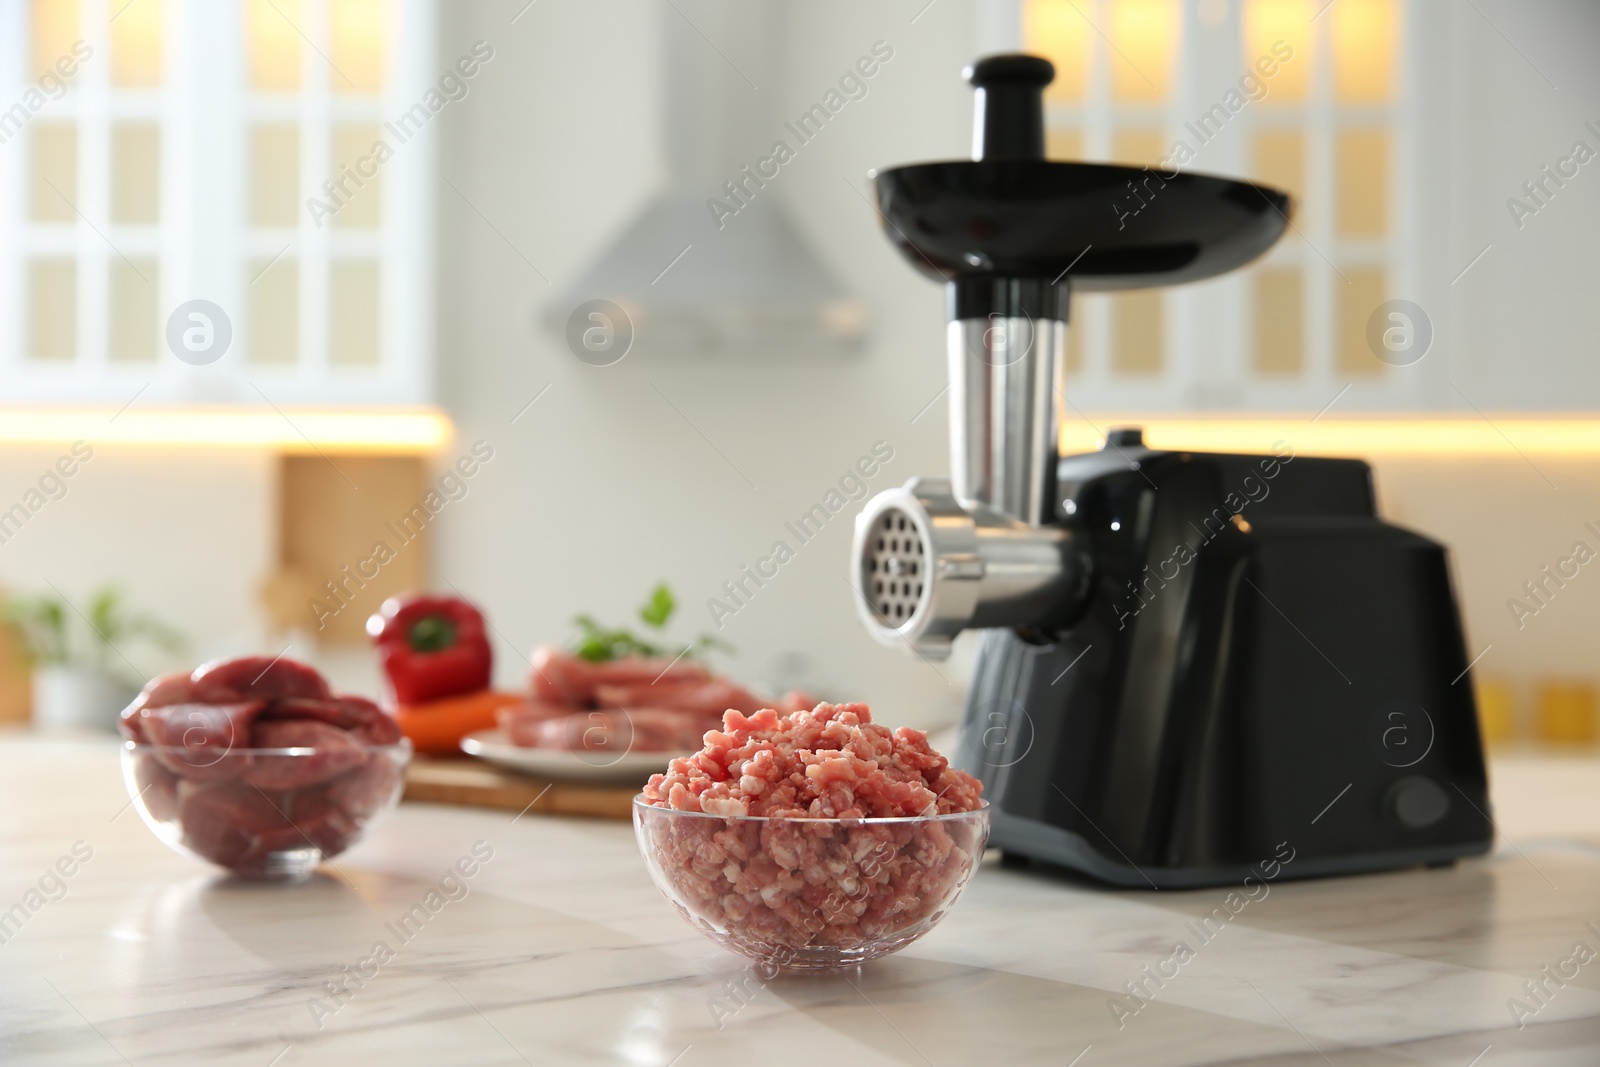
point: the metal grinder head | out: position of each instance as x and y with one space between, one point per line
927 568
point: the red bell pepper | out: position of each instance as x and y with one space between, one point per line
431 647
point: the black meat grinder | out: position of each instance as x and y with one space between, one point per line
1191 664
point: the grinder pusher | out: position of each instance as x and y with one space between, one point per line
1191 664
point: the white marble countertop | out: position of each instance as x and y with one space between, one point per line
561 951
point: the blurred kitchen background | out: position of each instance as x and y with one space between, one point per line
367 314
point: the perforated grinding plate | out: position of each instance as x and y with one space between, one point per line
894 568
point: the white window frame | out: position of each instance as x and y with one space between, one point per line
1209 326
204 242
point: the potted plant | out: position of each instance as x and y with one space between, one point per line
81 676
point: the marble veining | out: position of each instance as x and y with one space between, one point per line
558 950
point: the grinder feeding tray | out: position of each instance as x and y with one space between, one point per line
1185 656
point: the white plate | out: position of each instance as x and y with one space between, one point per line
628 767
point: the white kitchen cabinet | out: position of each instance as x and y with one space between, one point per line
1340 104
226 152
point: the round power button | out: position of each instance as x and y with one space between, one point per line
1417 802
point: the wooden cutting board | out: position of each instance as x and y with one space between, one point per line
478 784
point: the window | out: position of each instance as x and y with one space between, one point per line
1324 132
1288 92
139 173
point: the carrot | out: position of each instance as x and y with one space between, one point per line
437 726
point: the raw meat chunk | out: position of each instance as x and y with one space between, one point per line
335 752
615 730
561 678
228 681
233 824
669 706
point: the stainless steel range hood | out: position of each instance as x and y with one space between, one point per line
739 281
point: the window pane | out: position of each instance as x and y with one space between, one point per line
274 311
53 309
136 43
273 42
1363 50
358 33
355 174
1144 37
1057 31
1136 332
135 290
1357 301
1277 46
1361 161
1063 144
55 28
135 172
1138 147
274 174
53 166
353 313
1280 157
1280 299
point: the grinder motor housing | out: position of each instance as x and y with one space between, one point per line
1191 663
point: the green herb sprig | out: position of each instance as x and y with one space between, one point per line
599 644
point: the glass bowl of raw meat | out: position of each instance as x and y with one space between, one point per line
258 766
814 839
